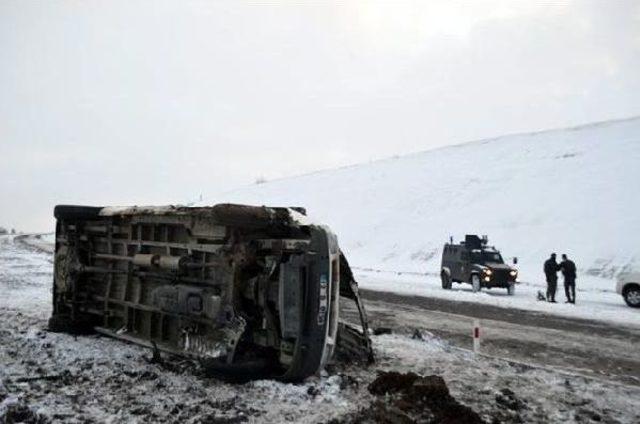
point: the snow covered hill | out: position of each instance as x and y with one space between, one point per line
573 190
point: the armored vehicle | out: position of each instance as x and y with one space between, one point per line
247 291
473 261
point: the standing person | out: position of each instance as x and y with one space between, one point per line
568 268
551 272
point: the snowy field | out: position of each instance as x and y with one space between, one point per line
47 377
42 242
568 191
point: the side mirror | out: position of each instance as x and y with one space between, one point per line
515 261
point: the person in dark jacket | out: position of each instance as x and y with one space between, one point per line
568 268
551 268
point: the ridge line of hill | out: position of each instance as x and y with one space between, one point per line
577 127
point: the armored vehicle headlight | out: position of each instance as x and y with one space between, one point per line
488 271
513 272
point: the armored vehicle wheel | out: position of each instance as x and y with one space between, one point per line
511 290
475 283
446 281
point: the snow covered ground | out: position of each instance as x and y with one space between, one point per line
571 191
61 378
42 242
26 277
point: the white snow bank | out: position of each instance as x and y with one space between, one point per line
25 278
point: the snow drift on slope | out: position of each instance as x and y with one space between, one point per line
571 190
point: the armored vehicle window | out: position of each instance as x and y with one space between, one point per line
492 257
485 256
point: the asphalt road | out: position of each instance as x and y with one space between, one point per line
591 348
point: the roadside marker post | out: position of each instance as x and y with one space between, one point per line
476 335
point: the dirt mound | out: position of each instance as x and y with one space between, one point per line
16 412
411 398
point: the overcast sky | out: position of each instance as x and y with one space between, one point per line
135 102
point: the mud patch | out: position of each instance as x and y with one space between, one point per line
411 398
12 411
